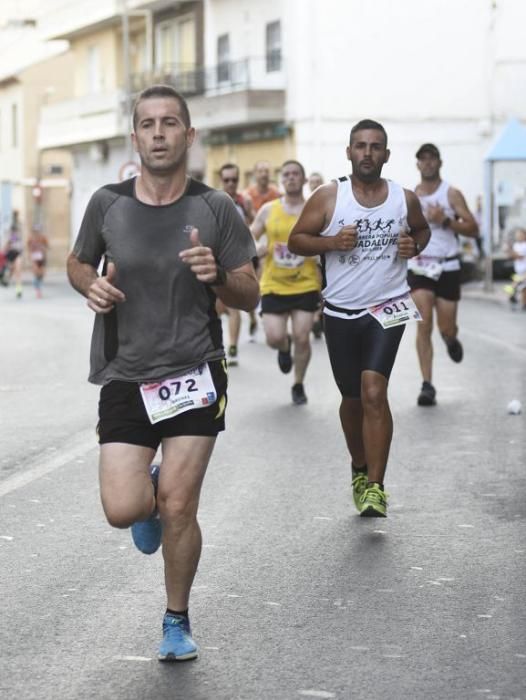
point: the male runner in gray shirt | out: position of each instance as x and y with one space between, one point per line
170 246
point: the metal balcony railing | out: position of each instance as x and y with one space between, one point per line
229 76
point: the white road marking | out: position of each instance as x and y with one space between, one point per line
132 658
6 537
39 466
316 694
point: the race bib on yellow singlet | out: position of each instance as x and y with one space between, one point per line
284 258
428 267
395 312
169 398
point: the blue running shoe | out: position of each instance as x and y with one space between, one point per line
147 534
177 644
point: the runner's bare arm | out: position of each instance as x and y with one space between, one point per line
317 213
259 225
241 288
465 224
419 233
101 294
237 288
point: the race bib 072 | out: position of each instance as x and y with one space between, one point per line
169 398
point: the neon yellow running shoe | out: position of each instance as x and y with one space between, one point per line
373 503
359 484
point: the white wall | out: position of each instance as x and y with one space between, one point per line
429 70
244 21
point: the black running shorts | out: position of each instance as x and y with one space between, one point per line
447 286
283 303
123 418
359 344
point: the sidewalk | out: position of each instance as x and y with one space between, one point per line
497 295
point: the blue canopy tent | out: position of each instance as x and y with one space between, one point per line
510 145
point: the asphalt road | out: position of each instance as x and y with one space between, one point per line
296 596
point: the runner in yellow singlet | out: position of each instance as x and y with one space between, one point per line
290 286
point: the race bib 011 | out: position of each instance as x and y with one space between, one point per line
396 312
169 398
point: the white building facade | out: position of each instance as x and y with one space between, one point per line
279 79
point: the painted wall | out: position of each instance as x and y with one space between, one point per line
436 71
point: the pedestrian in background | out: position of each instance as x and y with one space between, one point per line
37 247
229 174
262 191
13 249
171 246
365 228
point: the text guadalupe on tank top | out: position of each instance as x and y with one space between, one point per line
443 243
372 272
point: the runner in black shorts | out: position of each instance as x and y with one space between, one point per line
172 246
290 286
434 277
364 228
123 417
447 286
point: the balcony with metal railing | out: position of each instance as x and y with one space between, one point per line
250 90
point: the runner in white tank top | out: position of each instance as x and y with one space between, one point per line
434 277
364 228
352 279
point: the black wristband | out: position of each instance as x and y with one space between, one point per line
220 279
446 223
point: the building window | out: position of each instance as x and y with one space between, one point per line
176 53
223 58
14 125
94 73
273 46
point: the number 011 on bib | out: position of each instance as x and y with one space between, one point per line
395 312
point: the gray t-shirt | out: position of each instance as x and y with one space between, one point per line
168 323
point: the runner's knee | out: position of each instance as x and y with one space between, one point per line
176 509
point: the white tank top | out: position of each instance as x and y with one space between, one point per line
372 272
443 242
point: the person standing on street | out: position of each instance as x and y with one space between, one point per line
37 246
170 245
262 191
290 286
229 174
364 228
13 252
434 278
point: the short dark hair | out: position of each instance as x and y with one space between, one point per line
228 166
162 91
294 162
428 148
368 124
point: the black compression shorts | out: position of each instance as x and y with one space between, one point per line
359 344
